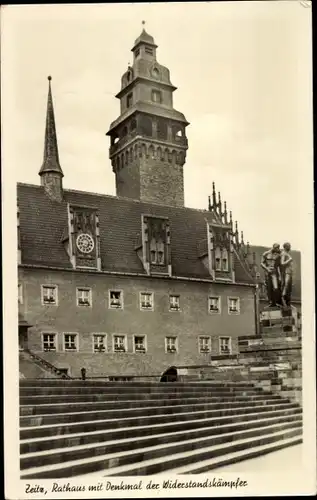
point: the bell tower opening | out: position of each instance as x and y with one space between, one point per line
148 139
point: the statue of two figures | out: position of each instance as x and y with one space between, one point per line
278 267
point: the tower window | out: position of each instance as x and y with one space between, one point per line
156 73
161 130
133 125
148 50
146 126
129 100
137 52
156 96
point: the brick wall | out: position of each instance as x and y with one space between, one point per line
187 324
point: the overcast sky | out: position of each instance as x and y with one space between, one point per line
243 72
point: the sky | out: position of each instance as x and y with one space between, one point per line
243 77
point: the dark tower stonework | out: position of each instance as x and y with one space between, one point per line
148 140
51 172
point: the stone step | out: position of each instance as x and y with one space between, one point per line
56 408
163 454
74 390
62 418
90 426
105 383
31 443
140 440
89 398
235 457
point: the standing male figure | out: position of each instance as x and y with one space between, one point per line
287 274
271 263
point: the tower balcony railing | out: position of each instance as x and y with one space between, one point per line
122 141
178 140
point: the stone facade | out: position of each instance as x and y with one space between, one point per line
188 324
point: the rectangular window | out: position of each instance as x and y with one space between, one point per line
146 301
20 294
70 341
174 303
49 295
137 52
233 305
214 305
100 342
204 344
139 343
49 341
148 50
115 299
119 343
156 96
225 345
129 100
84 297
171 344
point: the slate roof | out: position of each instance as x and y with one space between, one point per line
43 226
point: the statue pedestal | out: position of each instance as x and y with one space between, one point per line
278 319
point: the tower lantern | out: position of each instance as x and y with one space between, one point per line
148 140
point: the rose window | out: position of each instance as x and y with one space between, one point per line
85 243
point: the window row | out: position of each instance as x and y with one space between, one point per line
156 96
120 343
49 296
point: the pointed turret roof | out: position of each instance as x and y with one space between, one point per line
51 157
144 38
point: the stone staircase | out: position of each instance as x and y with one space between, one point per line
73 427
32 366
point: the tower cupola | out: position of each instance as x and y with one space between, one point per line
148 140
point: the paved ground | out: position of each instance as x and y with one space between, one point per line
288 460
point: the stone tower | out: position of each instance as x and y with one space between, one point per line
51 172
148 141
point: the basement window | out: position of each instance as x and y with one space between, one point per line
225 345
100 342
115 299
49 342
49 295
204 344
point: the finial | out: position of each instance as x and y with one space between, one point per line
254 257
49 78
237 228
143 23
242 237
225 213
214 200
209 203
230 215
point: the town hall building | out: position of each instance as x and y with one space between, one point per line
135 283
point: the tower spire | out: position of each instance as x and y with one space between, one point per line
51 172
